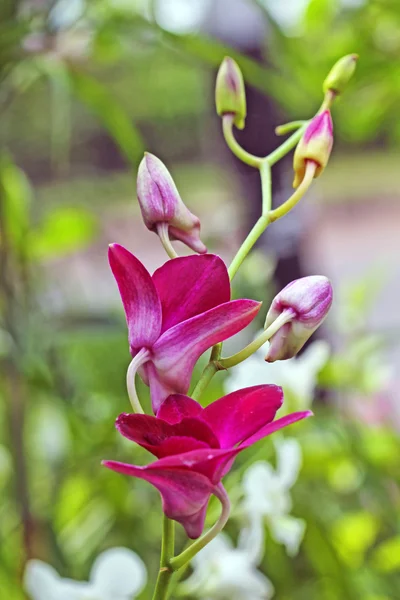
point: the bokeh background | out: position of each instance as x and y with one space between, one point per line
85 88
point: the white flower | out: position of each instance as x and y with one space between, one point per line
222 572
267 498
297 376
117 574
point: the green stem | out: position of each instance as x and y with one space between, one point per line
282 210
235 359
162 232
287 145
187 555
167 552
288 127
205 379
246 157
260 226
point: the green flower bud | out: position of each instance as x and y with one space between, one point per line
340 74
230 96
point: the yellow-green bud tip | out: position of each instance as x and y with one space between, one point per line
340 74
230 96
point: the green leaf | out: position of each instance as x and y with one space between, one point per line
110 113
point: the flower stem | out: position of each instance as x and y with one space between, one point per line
167 552
246 157
282 210
260 226
162 232
187 555
287 145
288 127
235 359
205 379
141 357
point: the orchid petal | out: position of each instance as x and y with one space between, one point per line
240 414
185 494
178 349
118 573
139 297
151 433
178 407
275 426
189 286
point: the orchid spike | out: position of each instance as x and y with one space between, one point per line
230 95
162 208
175 315
315 146
309 300
196 446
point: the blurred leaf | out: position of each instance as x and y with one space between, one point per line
16 193
63 230
386 557
353 534
107 109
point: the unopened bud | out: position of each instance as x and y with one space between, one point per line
315 145
160 202
340 74
230 95
309 300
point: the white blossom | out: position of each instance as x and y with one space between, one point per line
117 574
223 572
267 499
297 376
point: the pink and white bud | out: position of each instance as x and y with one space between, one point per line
160 202
309 300
230 94
315 145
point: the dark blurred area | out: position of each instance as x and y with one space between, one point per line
85 89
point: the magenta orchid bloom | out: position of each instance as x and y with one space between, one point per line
176 315
196 446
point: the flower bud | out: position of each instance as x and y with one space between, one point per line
160 202
340 74
230 95
315 145
309 299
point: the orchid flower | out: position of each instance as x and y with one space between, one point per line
117 574
267 498
174 316
297 376
196 446
222 572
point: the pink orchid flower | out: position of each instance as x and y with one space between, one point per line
176 315
196 446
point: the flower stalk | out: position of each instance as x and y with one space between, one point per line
297 195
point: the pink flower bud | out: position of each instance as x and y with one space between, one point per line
315 145
160 202
309 299
230 95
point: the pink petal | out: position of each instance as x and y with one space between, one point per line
176 352
151 433
191 238
184 494
189 286
275 426
236 416
177 407
139 297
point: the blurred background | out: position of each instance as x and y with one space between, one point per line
85 88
